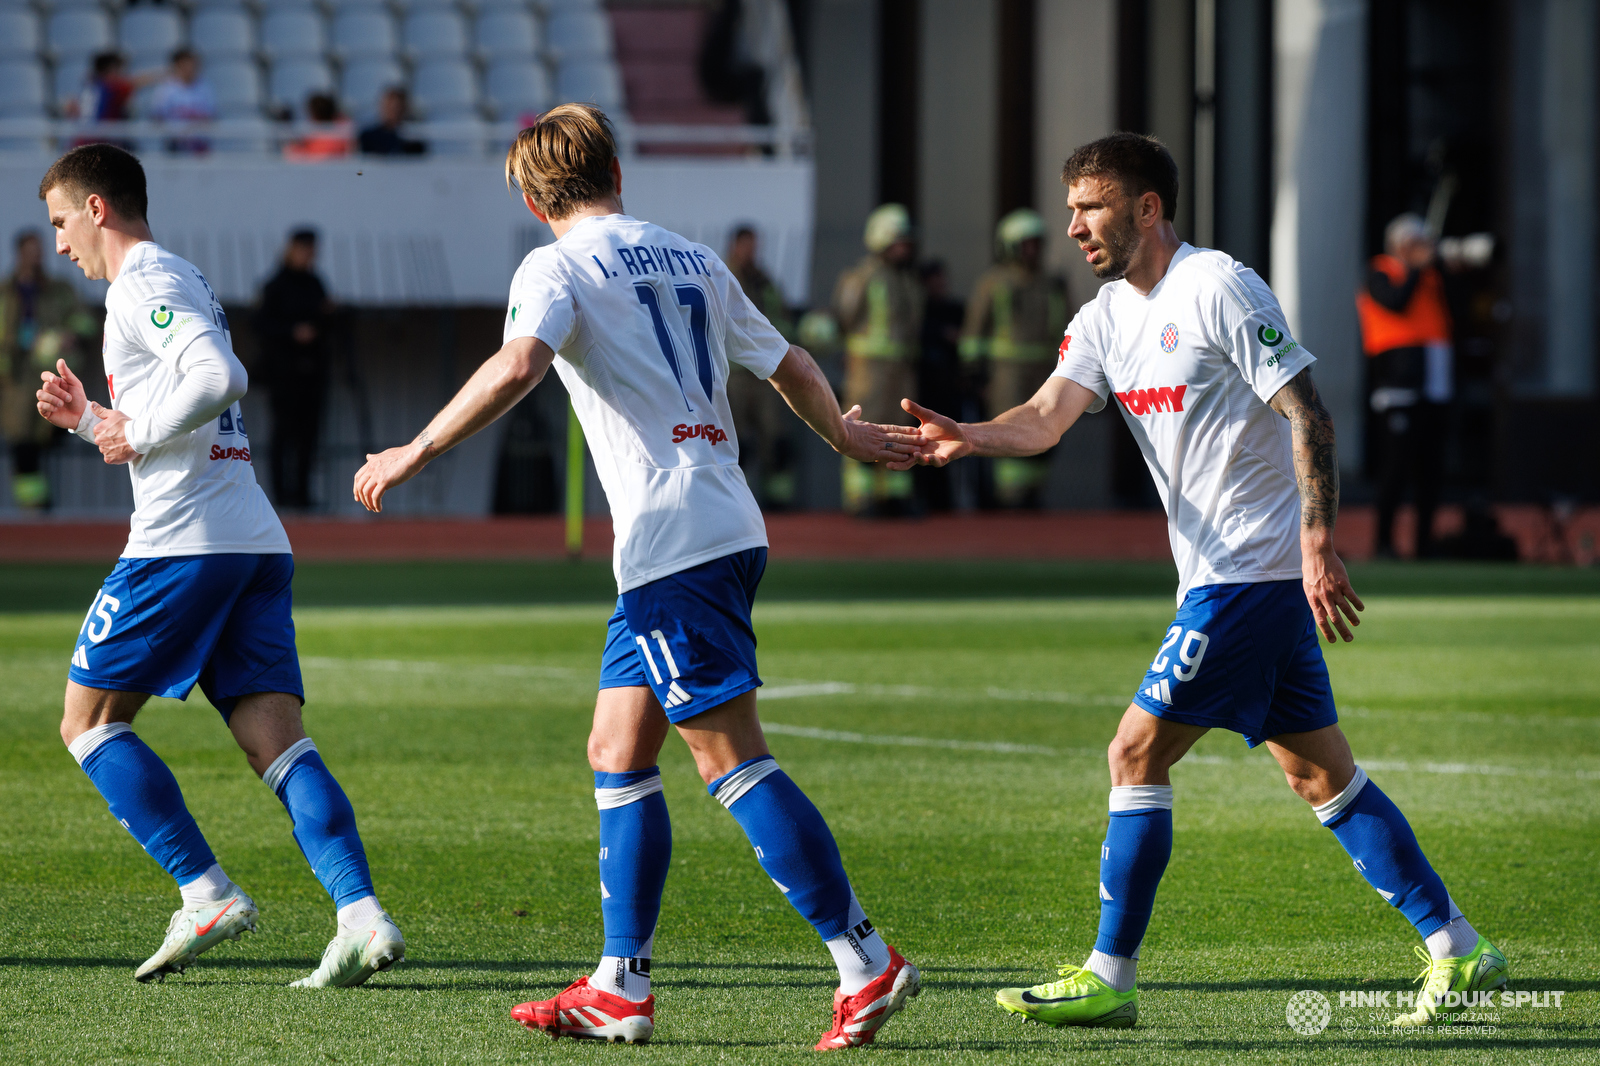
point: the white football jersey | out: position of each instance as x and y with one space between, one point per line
644 324
195 494
1192 366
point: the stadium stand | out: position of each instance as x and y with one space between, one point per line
19 33
148 35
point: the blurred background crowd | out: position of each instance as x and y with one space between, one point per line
1414 178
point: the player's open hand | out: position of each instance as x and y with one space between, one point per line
111 435
389 468
1328 589
61 397
869 442
942 438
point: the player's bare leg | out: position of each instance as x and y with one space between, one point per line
96 726
1379 840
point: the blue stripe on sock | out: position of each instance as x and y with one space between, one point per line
1137 847
325 829
144 796
635 854
1385 851
796 849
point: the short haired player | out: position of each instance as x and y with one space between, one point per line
1196 350
201 594
643 326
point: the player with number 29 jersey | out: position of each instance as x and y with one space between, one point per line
644 324
195 494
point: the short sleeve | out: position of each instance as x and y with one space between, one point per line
168 319
1080 359
748 339
542 304
1252 329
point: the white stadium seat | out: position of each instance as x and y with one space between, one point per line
150 34
435 32
506 5
362 82
237 83
79 32
292 32
19 33
21 89
360 33
590 81
445 89
68 80
339 7
216 32
507 33
292 80
579 33
514 88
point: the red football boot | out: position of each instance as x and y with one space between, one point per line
590 1014
857 1018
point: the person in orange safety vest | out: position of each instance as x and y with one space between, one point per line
1406 333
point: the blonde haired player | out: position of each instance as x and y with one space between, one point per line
642 325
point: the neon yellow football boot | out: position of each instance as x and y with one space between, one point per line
1079 998
1483 969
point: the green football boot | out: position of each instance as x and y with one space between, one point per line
1484 968
1079 998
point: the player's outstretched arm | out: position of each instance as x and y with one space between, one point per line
1316 471
804 388
505 377
1032 428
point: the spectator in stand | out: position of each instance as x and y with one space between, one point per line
41 320
107 93
761 420
293 326
1406 332
185 97
330 139
385 138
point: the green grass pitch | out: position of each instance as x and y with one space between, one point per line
956 747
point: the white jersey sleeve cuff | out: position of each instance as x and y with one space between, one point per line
86 424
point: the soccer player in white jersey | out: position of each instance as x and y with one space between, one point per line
201 594
1195 349
642 326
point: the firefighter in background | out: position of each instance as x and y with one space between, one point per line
760 417
1015 320
1406 334
41 320
878 303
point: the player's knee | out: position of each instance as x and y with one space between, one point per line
1125 756
1309 789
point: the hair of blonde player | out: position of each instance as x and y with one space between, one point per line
563 160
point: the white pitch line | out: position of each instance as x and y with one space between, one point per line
803 689
1385 765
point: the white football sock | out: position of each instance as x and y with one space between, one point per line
859 952
1114 970
1452 940
625 977
358 913
209 887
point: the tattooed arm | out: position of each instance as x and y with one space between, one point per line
1316 472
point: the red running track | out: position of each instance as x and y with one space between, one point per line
1122 535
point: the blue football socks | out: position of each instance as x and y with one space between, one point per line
324 822
1385 851
144 796
635 854
1134 856
792 841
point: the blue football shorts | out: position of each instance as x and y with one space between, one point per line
688 635
161 625
1242 657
